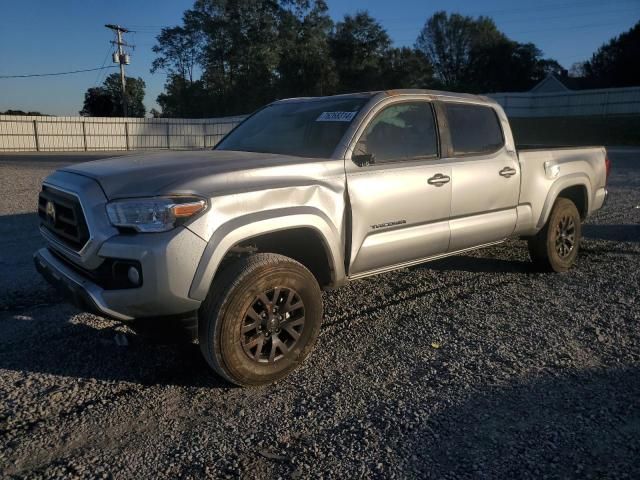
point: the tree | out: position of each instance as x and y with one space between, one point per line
447 41
508 66
135 95
106 101
577 70
242 51
233 56
305 67
615 64
183 98
473 55
407 68
249 52
359 48
179 51
22 112
98 103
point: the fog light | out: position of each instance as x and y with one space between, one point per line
133 274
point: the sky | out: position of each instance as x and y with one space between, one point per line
47 36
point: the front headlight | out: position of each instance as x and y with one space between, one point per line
156 214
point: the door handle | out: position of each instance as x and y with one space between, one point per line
439 180
507 172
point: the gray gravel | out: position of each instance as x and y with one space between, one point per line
473 367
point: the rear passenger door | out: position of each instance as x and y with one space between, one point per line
400 195
485 175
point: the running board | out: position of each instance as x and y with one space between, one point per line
411 263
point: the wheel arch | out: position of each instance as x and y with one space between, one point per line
275 232
575 187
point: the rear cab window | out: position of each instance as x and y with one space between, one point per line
473 129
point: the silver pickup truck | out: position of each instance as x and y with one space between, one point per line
306 194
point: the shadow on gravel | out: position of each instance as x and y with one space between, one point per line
19 238
60 347
584 425
615 233
479 265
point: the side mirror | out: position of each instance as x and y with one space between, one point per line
364 160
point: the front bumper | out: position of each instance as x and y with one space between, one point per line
81 292
168 262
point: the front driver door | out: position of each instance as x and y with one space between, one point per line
400 198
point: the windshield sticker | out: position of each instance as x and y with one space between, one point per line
336 116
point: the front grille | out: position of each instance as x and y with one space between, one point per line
61 214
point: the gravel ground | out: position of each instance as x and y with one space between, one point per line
473 367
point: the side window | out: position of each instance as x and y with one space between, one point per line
400 132
473 128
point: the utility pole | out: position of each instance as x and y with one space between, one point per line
121 58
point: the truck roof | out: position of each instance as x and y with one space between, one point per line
395 92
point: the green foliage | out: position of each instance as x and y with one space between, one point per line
447 42
615 64
359 48
106 101
98 103
242 51
233 56
22 113
252 52
473 55
179 51
305 67
407 68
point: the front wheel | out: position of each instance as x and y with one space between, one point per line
555 247
260 320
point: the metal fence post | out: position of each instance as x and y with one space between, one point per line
204 135
35 132
84 136
168 137
126 133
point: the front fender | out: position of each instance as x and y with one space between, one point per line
251 225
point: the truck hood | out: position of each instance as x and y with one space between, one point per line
197 172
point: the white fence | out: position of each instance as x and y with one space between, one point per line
50 134
606 101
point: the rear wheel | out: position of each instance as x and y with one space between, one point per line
555 247
260 320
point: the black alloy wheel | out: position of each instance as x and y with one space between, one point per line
273 324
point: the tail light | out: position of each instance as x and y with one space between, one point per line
607 165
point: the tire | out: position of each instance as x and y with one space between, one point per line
555 247
260 320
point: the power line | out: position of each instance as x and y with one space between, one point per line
104 62
57 73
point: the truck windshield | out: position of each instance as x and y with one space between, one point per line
301 128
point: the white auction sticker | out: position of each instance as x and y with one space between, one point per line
336 116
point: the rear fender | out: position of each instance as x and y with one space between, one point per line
571 180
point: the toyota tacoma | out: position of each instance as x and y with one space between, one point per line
305 194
